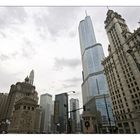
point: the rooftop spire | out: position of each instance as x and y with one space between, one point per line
86 13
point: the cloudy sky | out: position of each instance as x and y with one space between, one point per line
46 39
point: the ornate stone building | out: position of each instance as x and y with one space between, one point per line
23 110
3 99
123 72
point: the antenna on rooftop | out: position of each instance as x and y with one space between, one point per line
107 8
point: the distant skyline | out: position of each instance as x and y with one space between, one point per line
46 39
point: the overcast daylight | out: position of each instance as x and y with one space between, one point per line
46 40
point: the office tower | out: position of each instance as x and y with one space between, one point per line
61 113
94 81
75 116
46 104
123 72
31 77
24 113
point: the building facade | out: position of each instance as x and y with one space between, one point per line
61 113
94 81
23 110
3 99
75 116
122 70
46 104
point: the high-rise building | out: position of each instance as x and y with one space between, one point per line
61 113
122 69
75 116
46 104
23 111
94 81
31 77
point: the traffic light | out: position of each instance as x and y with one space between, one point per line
84 108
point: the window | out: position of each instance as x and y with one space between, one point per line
134 102
24 107
28 108
125 124
128 131
130 115
137 88
121 131
119 125
132 123
138 101
133 78
135 83
134 130
130 91
32 108
128 110
136 95
134 90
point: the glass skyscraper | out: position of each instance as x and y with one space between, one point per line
94 81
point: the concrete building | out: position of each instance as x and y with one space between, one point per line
122 70
18 91
88 123
103 120
75 116
23 111
46 104
3 99
61 113
94 81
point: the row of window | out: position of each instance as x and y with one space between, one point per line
24 107
28 108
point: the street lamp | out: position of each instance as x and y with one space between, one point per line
130 51
67 112
108 114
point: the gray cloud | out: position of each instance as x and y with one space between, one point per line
64 86
7 79
60 63
73 80
62 19
4 57
11 15
3 35
27 50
